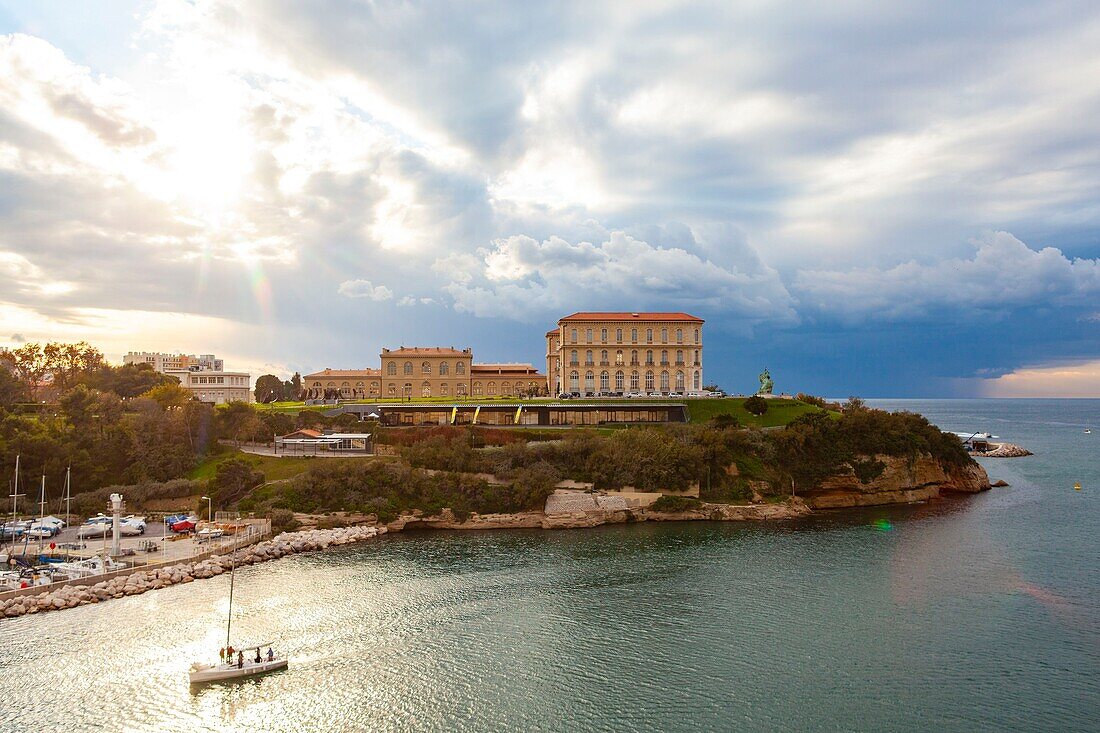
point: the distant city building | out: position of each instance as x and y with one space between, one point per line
174 362
602 352
426 372
217 387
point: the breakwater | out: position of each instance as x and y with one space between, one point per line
141 581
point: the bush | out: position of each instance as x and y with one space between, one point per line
282 520
675 504
756 405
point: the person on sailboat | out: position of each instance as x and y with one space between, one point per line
258 658
270 655
240 660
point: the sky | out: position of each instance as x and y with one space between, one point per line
869 198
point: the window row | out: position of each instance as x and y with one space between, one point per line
426 368
589 333
589 356
617 382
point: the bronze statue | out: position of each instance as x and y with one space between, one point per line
766 383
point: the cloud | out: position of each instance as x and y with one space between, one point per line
18 338
1072 379
525 279
1004 274
364 289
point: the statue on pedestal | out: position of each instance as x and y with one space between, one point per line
766 383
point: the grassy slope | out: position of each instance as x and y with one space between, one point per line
273 468
780 411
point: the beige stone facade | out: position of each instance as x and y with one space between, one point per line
217 387
618 352
427 372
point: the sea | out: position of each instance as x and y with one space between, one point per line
974 613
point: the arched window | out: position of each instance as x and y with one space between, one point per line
649 335
680 357
443 390
697 335
664 381
588 358
634 381
374 389
574 381
425 389
679 381
633 335
697 379
392 390
491 389
331 384
589 382
664 335
407 390
573 335
443 368
634 357
664 357
408 367
573 358
477 389
588 335
603 335
391 368
618 335
649 357
649 381
425 367
460 367
603 356
697 362
605 382
359 384
461 389
619 381
506 389
619 357
679 335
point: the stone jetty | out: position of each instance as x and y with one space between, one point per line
142 580
1004 450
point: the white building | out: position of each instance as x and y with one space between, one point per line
165 363
213 386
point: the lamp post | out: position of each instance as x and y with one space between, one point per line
209 509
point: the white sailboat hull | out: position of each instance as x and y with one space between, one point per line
216 672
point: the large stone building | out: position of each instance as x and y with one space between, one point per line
426 372
593 353
217 387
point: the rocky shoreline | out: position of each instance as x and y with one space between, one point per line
1004 450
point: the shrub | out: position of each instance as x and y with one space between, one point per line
282 520
675 504
756 405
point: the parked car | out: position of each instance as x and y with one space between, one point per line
635 394
575 395
565 396
675 395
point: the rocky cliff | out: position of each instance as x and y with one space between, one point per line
882 479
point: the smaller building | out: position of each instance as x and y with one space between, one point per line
313 442
216 387
165 363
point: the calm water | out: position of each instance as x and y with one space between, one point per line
975 614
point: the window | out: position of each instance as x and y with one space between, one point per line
634 381
649 381
633 335
634 357
425 389
573 358
697 379
407 390
573 335
649 335
603 335
679 381
679 335
588 335
506 389
605 382
408 367
619 380
664 357
425 367
664 335
680 357
649 357
491 389
374 388
697 362
461 389
477 389
392 390
589 382
391 368
618 335
460 367
443 368
588 358
664 381
603 356
619 357
574 381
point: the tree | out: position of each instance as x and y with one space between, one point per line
756 405
712 387
128 380
169 395
232 480
28 364
68 363
11 389
269 388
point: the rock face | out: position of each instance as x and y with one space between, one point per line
902 480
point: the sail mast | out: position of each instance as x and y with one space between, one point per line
41 512
14 499
232 573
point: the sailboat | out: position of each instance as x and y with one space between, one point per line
249 660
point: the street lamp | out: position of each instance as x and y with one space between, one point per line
209 509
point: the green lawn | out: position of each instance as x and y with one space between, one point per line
274 468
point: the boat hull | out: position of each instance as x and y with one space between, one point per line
220 672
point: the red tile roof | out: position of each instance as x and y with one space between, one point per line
343 373
625 316
554 332
425 351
